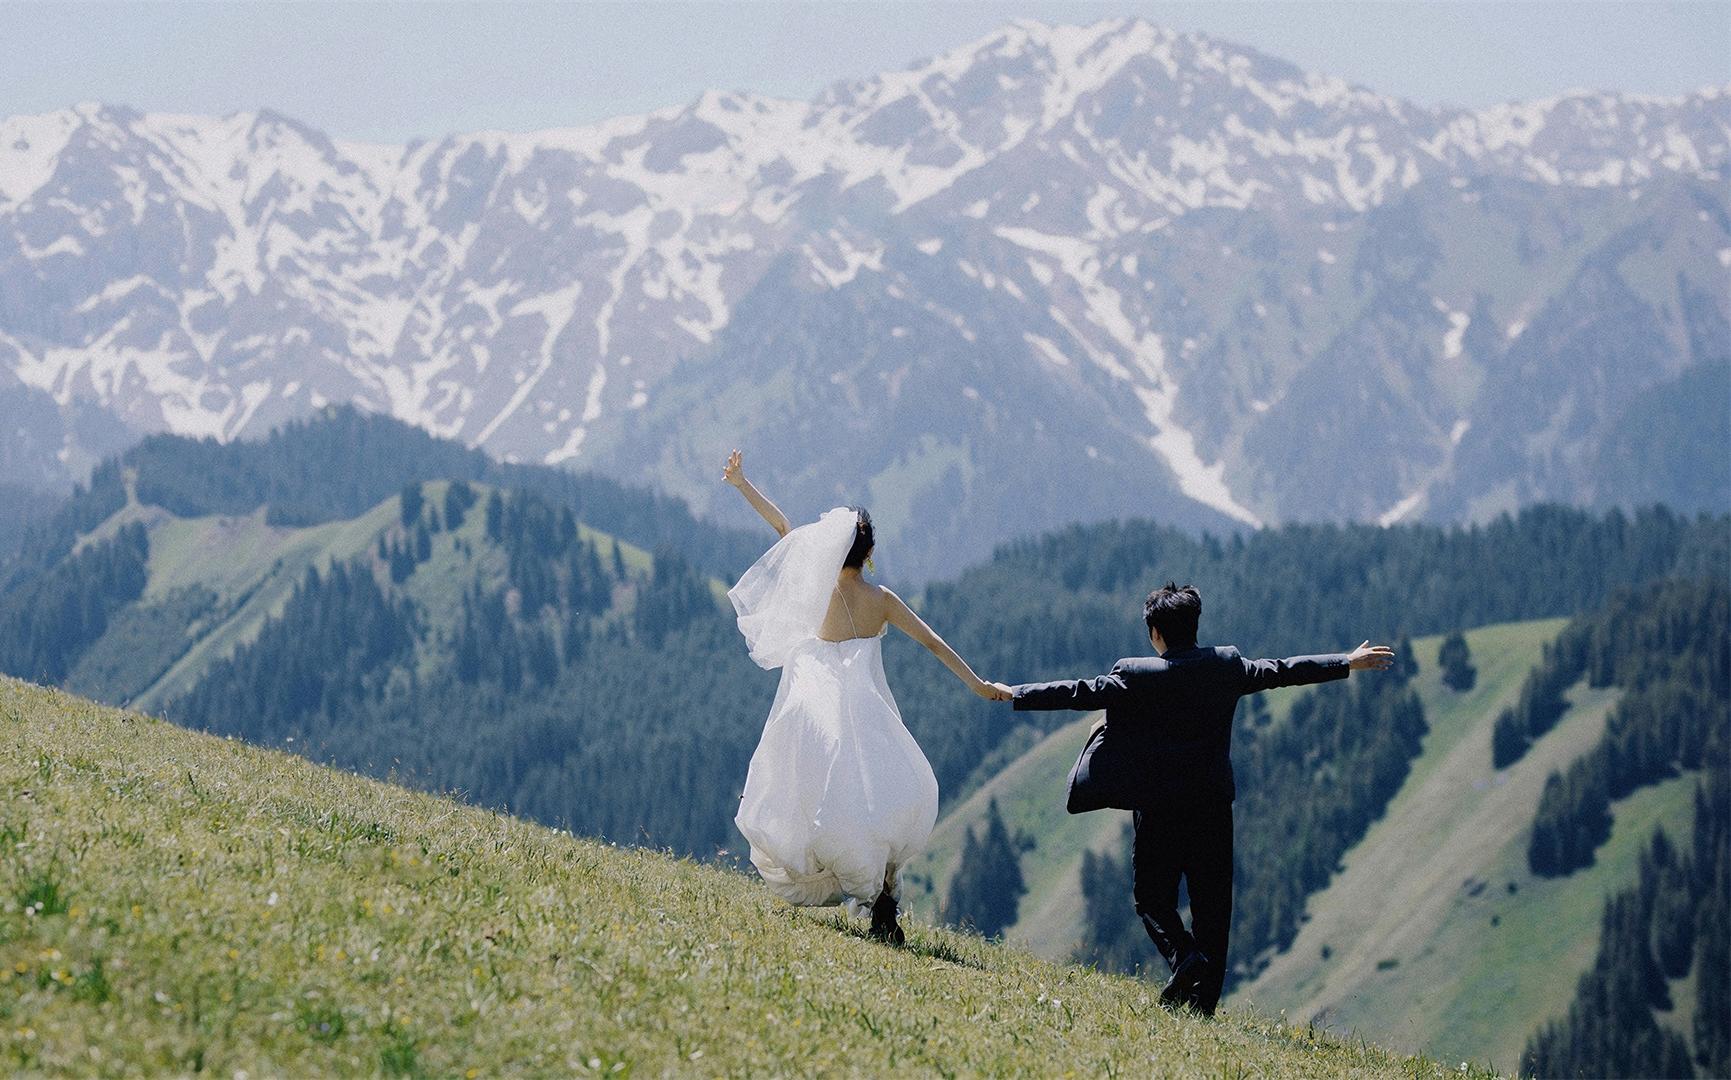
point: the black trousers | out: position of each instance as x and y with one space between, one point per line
1191 840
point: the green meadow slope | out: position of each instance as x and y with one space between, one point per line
251 567
171 902
1437 936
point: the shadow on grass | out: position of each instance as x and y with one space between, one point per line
931 949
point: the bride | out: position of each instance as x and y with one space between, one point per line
839 796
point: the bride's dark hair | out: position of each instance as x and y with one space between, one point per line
863 539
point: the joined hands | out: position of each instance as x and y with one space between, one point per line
994 691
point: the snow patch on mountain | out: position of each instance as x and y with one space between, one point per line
1145 368
1401 510
30 149
1456 333
1045 348
556 309
853 260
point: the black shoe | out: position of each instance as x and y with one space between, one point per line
884 925
1186 980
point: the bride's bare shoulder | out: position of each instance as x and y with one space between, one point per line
887 600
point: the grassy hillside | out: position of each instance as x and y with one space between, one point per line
173 902
251 567
1437 935
1414 960
1448 825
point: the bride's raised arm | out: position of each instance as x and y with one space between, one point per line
903 618
734 473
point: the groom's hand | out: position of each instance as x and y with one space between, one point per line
1368 657
997 691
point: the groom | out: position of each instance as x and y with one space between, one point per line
1174 711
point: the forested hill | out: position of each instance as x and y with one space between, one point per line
338 464
1069 603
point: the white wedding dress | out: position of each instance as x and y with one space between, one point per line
838 796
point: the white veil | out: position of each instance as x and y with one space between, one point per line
782 599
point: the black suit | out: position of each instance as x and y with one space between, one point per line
1174 713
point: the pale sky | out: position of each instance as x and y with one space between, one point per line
388 72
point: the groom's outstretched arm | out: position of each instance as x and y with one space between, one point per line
1304 670
1085 695
1260 675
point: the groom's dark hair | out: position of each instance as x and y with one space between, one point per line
1174 610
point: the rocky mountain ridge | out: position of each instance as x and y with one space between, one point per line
1059 273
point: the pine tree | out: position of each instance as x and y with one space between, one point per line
459 496
1508 740
468 649
1112 936
1673 922
542 657
1405 667
510 662
411 499
575 635
1455 658
1713 981
402 561
988 886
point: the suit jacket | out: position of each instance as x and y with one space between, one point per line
1175 711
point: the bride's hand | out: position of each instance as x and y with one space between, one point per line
994 691
734 471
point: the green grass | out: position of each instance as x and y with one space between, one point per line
174 903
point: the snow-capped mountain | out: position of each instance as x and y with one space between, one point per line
1056 274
